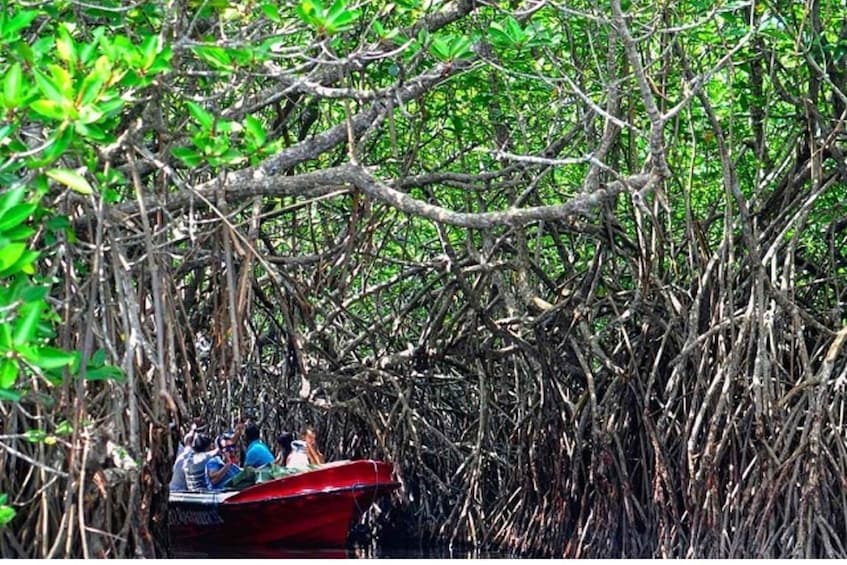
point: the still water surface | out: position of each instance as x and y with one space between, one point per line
271 552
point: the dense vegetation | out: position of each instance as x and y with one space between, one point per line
577 268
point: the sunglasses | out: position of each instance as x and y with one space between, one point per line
229 448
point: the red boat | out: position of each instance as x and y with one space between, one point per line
311 508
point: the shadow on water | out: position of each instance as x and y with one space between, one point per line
271 552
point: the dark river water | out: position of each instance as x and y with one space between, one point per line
270 552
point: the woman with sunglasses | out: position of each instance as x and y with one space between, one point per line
222 467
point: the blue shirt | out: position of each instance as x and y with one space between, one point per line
216 463
258 455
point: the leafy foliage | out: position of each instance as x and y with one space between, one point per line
69 85
328 20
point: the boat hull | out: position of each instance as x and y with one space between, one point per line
314 508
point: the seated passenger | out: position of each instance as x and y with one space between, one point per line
197 425
298 459
284 441
312 451
178 474
194 467
221 467
258 455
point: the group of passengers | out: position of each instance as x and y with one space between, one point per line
203 464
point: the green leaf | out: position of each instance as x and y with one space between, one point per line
43 48
21 20
61 140
254 127
110 107
30 315
189 156
460 47
338 7
87 51
111 196
33 293
13 85
440 48
23 264
48 357
339 17
12 198
98 358
71 179
16 215
149 47
55 377
7 514
10 395
62 80
35 435
105 373
64 428
498 36
8 373
271 11
343 22
94 81
216 57
93 131
513 28
48 88
9 254
230 157
19 233
162 62
5 130
51 109
5 336
65 47
204 118
58 223
228 126
311 12
89 115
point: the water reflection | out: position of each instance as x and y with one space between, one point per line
260 552
268 552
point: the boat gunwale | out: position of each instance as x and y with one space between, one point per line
203 498
219 497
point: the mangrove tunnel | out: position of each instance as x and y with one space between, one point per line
577 269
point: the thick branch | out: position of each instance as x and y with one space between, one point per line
310 185
513 217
